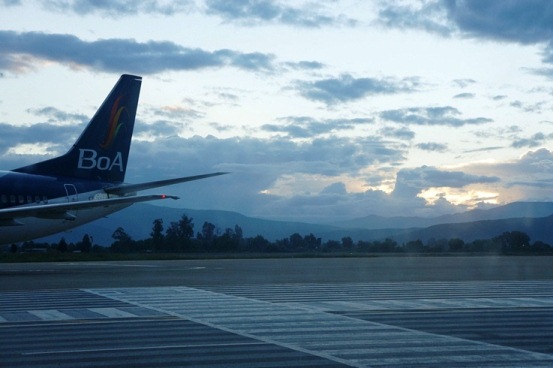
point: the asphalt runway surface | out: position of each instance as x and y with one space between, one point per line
332 312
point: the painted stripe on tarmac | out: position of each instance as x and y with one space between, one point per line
50 315
113 313
315 332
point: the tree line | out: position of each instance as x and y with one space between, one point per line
179 237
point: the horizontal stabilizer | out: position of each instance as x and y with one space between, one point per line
60 209
133 188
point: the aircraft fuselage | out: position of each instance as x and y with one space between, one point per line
27 190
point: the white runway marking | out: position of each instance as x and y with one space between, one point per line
307 327
112 313
139 348
50 315
424 324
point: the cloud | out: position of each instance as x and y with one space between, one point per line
398 133
346 88
304 65
10 2
323 168
432 147
15 141
335 188
118 8
257 165
426 15
463 83
256 12
534 141
56 116
536 107
19 51
410 182
526 22
442 115
307 127
483 149
465 95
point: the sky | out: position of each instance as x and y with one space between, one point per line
321 110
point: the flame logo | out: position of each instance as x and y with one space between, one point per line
114 124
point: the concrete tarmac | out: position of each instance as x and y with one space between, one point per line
331 312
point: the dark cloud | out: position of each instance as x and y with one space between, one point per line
410 182
535 107
176 113
255 165
157 129
432 147
533 171
463 83
304 65
524 22
527 22
398 133
536 140
428 16
118 8
54 115
347 88
306 127
336 188
55 127
56 136
483 149
255 12
443 115
465 95
119 55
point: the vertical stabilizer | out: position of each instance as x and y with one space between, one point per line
102 151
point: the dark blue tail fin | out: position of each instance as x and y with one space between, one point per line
102 150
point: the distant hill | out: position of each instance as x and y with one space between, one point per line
512 210
536 228
534 218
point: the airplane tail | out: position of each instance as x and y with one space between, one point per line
102 151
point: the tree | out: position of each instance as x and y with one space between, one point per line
455 245
227 242
86 244
514 241
258 244
157 234
238 234
415 246
179 234
208 232
312 242
207 236
347 243
62 245
123 241
296 241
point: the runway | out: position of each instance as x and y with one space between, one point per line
281 320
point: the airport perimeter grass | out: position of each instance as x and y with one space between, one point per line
95 257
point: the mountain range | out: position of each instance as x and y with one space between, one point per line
534 218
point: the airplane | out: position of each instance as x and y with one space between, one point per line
84 184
